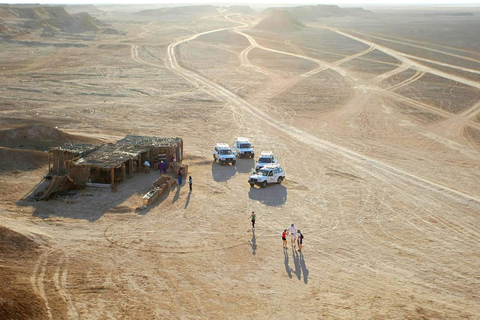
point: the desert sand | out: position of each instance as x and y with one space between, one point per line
375 118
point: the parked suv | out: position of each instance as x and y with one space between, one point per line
223 154
243 148
270 173
266 157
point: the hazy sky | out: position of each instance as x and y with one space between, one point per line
279 2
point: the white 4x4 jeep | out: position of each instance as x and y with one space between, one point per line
266 157
270 173
223 154
243 148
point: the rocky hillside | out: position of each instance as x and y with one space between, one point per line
45 18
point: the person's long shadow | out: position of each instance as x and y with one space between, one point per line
177 194
287 267
296 262
254 242
188 199
304 268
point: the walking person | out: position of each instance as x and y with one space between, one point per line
190 182
284 239
293 235
299 240
252 217
147 166
180 177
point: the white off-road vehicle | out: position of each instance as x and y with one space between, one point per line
270 173
223 154
266 157
243 148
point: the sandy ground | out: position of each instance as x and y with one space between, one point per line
381 148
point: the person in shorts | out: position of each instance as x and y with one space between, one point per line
293 235
299 240
284 238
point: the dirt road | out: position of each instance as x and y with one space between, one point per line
383 186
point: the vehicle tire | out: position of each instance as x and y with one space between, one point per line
214 159
264 184
280 179
252 184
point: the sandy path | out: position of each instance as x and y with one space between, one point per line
405 59
325 146
387 235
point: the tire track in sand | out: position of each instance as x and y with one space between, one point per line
41 277
61 284
38 278
366 164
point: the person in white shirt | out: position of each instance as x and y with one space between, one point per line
293 235
147 166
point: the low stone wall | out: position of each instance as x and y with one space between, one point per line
160 186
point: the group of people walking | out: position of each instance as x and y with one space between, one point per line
296 237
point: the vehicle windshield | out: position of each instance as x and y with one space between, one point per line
264 160
245 145
263 173
225 151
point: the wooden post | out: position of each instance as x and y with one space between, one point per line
49 163
124 172
113 176
130 168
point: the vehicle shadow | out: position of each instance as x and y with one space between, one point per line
222 173
273 195
245 165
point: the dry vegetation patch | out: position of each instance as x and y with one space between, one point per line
442 93
207 59
329 42
284 65
398 78
380 56
225 38
417 114
367 69
473 135
453 71
320 93
245 82
276 45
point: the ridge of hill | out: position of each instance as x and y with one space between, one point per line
280 21
77 8
240 9
315 12
184 10
46 18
